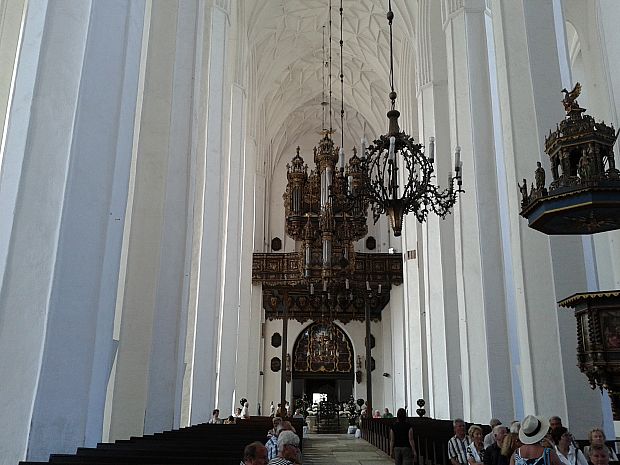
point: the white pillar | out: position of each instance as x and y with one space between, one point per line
249 342
204 365
68 219
435 256
146 393
229 348
12 14
544 270
480 288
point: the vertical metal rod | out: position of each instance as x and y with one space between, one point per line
284 350
368 358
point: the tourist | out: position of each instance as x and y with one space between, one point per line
597 436
245 411
569 455
376 414
215 419
275 421
599 455
511 443
254 454
555 422
280 412
237 413
288 449
231 420
489 439
298 414
402 444
533 430
387 414
457 445
475 450
272 442
493 453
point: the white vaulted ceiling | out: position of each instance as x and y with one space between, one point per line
285 40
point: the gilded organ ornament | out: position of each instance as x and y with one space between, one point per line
323 348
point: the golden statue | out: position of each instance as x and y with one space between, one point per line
570 99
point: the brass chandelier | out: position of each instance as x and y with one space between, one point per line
396 151
326 208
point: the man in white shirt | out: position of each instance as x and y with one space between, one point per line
489 439
457 445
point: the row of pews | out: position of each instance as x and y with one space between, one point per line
204 443
431 437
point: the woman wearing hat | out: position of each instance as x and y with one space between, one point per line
533 430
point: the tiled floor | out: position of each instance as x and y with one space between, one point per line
342 449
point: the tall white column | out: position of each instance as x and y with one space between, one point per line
480 288
68 219
12 14
605 52
544 270
435 256
249 342
205 365
146 393
230 309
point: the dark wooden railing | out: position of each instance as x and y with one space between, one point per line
431 437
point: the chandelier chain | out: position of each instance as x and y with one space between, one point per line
324 65
390 17
341 85
330 67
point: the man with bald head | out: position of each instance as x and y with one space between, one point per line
254 454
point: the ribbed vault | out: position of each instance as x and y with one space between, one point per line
285 72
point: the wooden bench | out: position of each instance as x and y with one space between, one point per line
207 443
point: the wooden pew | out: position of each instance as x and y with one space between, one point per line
212 444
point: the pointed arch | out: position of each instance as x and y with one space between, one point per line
322 348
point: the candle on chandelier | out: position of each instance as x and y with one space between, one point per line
391 149
364 143
367 286
457 158
346 283
431 149
350 184
324 286
311 289
379 290
450 180
341 158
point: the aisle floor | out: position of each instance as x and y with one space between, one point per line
342 449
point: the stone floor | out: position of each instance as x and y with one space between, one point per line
342 449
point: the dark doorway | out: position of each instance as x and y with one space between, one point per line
322 386
323 364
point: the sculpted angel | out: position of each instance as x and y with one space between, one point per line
570 98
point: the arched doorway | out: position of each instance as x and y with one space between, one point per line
323 364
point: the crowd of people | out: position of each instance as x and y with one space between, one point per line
534 441
241 413
281 448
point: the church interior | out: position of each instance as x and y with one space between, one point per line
296 201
